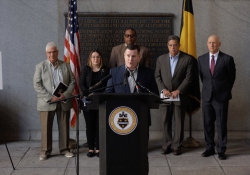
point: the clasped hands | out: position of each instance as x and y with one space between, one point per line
55 98
172 94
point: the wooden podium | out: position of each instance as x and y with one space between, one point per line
123 131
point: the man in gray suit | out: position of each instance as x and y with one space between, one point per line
117 53
48 75
217 73
173 76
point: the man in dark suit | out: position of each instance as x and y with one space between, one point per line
117 53
173 76
143 75
133 72
217 73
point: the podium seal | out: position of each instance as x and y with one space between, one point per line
123 120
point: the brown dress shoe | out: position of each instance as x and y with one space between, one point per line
177 152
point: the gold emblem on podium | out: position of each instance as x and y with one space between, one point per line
123 120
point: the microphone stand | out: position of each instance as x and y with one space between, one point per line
78 97
143 87
106 87
100 82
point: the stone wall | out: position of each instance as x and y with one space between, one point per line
26 27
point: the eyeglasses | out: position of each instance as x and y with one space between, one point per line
52 52
131 36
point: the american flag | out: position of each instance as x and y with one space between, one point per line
72 53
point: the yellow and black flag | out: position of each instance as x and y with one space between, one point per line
188 45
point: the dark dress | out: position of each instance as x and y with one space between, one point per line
89 78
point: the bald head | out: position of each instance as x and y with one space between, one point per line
213 44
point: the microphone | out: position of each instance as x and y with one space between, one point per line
126 75
100 82
84 100
143 87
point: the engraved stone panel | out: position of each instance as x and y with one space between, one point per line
105 30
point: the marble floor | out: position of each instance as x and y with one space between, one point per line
25 156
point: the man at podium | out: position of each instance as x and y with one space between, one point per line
126 110
132 74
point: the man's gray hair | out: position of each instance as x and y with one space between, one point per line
49 45
174 37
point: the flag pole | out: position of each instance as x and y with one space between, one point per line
188 45
72 56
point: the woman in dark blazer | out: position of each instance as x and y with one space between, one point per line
91 74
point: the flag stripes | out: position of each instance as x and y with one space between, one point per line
72 53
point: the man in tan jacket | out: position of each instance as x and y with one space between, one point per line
48 75
117 53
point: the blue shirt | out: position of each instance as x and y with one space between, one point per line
173 62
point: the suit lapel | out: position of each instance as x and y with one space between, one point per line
63 71
122 51
167 68
218 62
48 70
207 64
178 65
140 74
120 73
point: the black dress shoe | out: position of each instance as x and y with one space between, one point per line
177 152
167 151
91 154
97 154
208 153
222 156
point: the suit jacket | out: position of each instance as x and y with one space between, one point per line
117 56
221 82
145 76
44 85
182 77
86 79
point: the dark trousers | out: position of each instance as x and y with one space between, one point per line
168 113
212 111
46 119
92 128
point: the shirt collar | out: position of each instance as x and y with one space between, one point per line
126 44
136 69
176 56
52 64
215 55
